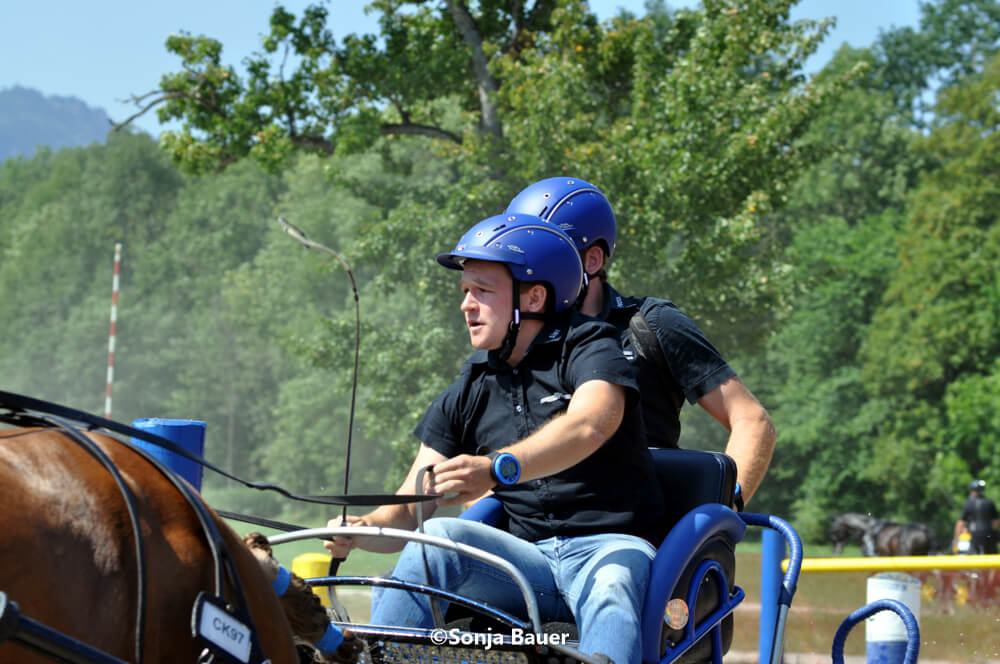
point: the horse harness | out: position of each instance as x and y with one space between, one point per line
224 627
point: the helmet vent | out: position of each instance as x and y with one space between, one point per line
498 228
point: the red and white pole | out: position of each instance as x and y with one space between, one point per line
111 336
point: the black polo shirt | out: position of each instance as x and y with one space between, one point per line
980 513
493 405
696 367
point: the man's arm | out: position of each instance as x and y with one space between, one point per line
403 517
751 433
593 415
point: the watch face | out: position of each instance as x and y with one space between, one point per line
507 468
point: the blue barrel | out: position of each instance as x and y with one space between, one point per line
189 434
885 632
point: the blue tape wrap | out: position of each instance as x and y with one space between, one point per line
331 640
280 584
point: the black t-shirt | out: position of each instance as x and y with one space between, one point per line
696 367
493 405
980 513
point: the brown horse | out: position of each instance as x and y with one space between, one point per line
68 555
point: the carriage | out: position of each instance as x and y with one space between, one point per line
689 603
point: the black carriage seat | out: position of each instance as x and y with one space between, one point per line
689 479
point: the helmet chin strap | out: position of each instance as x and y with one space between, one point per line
510 340
583 291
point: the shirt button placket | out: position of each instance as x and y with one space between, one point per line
517 397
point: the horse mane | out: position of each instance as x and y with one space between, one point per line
303 608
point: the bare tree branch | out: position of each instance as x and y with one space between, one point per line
486 85
411 129
166 96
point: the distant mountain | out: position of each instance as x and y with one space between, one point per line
29 119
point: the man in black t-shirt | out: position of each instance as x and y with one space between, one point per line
674 359
544 413
980 519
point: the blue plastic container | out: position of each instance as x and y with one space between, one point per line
189 434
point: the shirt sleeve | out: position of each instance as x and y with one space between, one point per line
440 426
695 363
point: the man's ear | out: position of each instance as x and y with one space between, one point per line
593 259
534 298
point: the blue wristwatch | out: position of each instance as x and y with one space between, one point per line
504 468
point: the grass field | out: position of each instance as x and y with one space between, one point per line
949 632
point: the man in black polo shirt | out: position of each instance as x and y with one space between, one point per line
676 361
543 413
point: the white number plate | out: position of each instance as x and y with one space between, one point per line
221 629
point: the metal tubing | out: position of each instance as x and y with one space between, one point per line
411 536
772 552
899 563
912 629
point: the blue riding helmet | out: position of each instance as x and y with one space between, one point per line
977 485
532 249
577 207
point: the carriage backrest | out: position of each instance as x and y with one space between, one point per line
690 478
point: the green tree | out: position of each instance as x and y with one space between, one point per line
64 212
942 307
935 334
689 120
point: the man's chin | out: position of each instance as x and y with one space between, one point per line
479 342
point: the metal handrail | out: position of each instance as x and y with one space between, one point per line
478 554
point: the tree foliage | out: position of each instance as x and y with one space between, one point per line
835 237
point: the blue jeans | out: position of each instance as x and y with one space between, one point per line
597 581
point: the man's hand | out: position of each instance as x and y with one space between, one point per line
342 544
461 479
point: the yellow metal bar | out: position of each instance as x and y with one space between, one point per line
897 563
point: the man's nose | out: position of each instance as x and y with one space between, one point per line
468 302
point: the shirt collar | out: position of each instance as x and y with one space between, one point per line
553 331
615 301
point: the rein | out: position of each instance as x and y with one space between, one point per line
19 405
27 411
222 562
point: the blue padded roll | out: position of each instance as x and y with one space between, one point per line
189 434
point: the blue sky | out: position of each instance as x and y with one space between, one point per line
102 51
